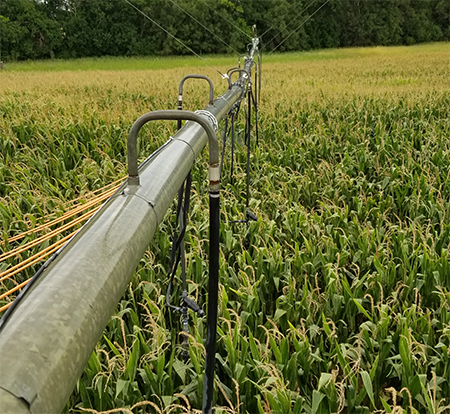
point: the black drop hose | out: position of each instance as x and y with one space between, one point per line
213 300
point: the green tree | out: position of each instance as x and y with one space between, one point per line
441 16
27 32
418 25
36 29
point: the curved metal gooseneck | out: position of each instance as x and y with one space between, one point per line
194 76
236 70
174 115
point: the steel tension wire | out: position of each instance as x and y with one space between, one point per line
228 20
290 22
176 39
255 106
278 21
259 75
298 27
248 124
250 99
249 214
247 198
256 82
201 24
229 129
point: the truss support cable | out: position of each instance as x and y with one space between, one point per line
201 24
278 21
228 20
175 38
291 21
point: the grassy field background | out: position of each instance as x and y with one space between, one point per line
342 302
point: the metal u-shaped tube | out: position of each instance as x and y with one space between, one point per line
180 92
133 175
194 76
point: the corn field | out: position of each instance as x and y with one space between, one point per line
341 302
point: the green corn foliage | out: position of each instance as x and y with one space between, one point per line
341 304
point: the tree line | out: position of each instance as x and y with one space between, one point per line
41 29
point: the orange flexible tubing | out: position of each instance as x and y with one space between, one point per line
3 308
34 259
65 216
14 289
88 196
68 214
55 246
95 191
41 239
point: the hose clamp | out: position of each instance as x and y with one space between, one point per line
211 118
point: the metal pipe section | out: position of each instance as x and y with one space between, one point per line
47 340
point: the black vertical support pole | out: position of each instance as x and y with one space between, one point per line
213 295
249 123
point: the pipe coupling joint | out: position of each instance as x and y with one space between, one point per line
210 117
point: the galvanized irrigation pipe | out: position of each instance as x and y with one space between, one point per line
48 338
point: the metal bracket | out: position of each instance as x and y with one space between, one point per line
172 115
